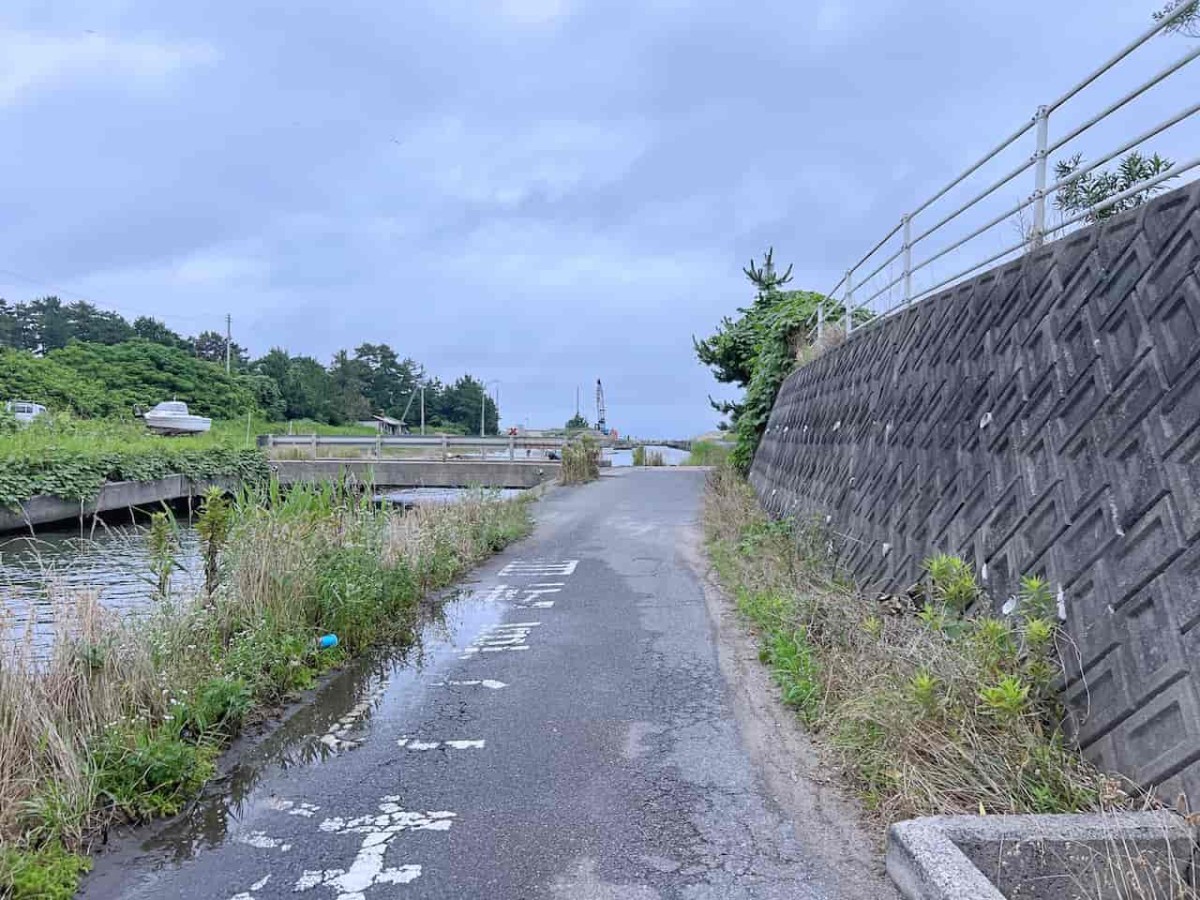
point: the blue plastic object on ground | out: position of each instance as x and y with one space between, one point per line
328 641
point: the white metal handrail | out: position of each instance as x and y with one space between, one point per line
1035 202
439 445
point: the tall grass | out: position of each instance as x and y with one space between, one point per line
707 453
126 716
936 713
580 461
644 456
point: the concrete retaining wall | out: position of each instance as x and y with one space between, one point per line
1039 419
113 496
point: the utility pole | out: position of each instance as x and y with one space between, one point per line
422 409
228 340
483 398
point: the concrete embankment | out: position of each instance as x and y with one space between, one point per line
115 495
119 495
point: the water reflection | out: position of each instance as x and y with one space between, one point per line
113 561
384 681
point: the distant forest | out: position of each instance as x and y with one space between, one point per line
96 363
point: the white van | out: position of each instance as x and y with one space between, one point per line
24 411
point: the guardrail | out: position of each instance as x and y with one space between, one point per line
436 445
864 274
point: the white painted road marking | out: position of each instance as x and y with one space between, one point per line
292 808
367 871
420 746
510 636
263 841
537 568
486 682
254 888
337 737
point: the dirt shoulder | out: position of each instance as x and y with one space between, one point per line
829 823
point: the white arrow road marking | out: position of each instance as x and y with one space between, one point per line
420 746
367 869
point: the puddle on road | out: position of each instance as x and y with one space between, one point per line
343 707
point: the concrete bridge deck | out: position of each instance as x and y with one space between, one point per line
413 473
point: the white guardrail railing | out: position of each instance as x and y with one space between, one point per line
512 447
951 233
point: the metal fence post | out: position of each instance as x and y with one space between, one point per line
849 300
820 319
314 445
1038 235
907 220
444 448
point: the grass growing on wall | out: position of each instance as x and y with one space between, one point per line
943 712
128 715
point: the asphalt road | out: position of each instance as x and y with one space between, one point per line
570 732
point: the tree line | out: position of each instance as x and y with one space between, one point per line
98 363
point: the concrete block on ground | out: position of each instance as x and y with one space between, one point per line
1052 857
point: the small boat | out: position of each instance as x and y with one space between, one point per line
172 417
24 411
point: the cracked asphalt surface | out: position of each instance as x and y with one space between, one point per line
586 749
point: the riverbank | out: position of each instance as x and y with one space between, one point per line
125 720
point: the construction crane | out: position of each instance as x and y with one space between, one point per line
601 425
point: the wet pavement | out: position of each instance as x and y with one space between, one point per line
563 730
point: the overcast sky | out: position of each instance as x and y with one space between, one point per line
541 192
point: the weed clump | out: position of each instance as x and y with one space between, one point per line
580 461
947 709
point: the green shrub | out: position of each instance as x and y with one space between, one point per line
953 582
795 671
48 873
216 709
146 772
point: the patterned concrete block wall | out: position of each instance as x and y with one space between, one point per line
1041 418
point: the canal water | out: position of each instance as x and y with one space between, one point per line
671 456
113 561
36 573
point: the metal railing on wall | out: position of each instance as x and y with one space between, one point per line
859 288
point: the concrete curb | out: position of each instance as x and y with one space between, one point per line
974 857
